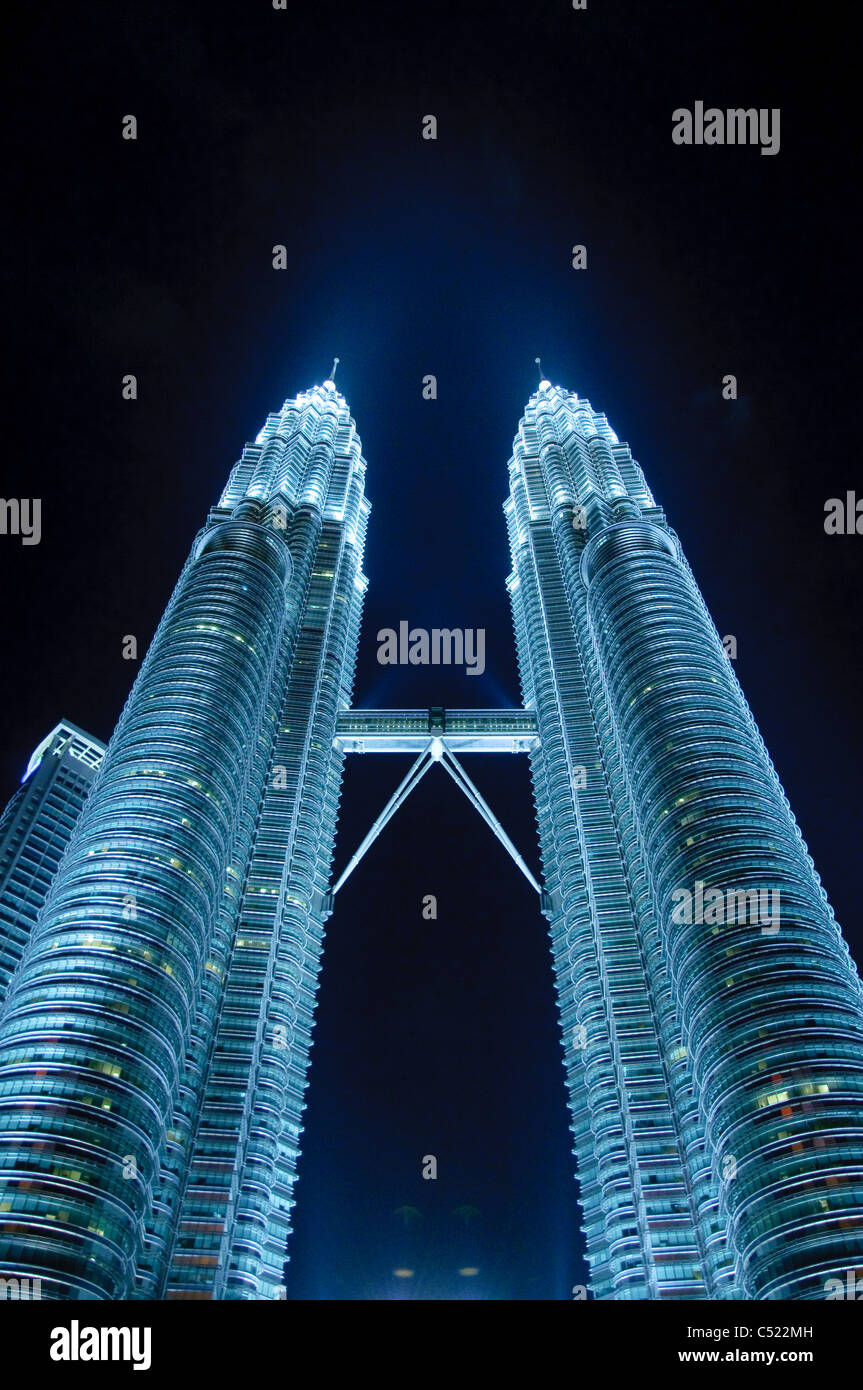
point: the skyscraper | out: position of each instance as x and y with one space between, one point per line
155 1036
35 829
712 1018
154 1042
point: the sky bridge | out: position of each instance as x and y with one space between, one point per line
435 735
458 730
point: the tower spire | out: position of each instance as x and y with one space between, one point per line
333 372
538 361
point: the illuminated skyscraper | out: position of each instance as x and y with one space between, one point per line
35 829
154 1039
713 1040
154 1042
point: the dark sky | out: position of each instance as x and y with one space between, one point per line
409 257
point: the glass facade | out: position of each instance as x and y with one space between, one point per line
34 831
713 1039
155 1039
163 902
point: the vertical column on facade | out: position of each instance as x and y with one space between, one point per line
689 1232
618 1245
771 1012
299 817
662 1187
100 1015
207 1209
639 1220
191 1201
236 1211
582 463
303 819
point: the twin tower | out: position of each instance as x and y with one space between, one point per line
155 1031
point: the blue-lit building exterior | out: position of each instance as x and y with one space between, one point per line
163 902
155 1039
35 829
714 1066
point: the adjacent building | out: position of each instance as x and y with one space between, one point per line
35 829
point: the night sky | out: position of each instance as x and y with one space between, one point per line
408 257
